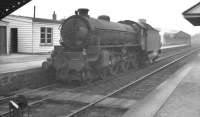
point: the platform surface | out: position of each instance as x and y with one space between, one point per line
19 58
179 96
20 62
185 100
172 46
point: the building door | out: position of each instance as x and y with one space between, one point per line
3 40
14 40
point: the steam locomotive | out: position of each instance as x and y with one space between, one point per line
96 48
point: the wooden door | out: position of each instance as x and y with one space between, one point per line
14 40
3 40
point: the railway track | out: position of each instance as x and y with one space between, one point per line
101 82
14 94
126 86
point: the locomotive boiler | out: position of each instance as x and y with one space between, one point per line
96 48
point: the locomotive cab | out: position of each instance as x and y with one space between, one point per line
150 40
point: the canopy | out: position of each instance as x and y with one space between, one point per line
193 14
9 6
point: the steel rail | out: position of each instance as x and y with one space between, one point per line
171 55
128 85
26 92
44 99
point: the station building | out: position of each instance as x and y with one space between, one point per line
21 34
176 38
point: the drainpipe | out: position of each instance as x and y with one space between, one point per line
32 36
32 26
34 12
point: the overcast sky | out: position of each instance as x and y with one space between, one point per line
164 14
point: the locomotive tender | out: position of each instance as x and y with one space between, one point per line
95 48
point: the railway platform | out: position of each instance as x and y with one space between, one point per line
22 70
179 96
172 46
20 62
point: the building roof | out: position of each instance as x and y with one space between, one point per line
3 23
174 33
42 20
9 6
193 14
46 20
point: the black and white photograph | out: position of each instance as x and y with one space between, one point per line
99 58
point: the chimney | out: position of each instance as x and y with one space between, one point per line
54 17
104 17
83 12
34 12
142 20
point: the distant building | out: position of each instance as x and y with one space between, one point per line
20 34
176 38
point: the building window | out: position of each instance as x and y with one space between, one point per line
46 36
